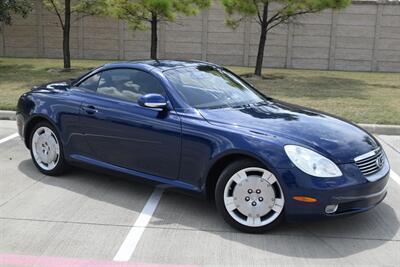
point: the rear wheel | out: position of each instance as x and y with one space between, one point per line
46 149
249 197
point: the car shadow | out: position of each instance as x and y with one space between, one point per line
328 239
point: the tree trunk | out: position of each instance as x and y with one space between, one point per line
66 32
263 39
154 38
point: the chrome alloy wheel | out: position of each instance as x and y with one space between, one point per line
253 197
45 148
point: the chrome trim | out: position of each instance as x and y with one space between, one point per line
382 172
367 155
373 164
366 164
155 104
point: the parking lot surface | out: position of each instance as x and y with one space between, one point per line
85 219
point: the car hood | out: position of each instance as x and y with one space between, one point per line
337 139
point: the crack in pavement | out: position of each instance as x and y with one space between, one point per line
198 230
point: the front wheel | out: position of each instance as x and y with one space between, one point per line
249 197
46 149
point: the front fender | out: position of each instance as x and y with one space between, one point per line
204 145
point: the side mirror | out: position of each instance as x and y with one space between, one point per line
152 101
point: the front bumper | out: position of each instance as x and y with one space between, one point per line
355 204
349 194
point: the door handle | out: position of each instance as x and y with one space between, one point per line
89 109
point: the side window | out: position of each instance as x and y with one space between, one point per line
91 82
128 84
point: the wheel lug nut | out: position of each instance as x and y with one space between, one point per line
258 191
247 198
260 199
254 203
249 191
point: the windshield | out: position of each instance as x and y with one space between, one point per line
206 87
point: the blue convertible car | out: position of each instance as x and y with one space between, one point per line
199 127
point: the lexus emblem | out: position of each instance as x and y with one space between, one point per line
379 161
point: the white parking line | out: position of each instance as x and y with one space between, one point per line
5 139
395 177
132 239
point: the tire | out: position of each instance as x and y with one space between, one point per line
46 149
249 197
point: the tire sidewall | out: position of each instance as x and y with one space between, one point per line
60 167
219 197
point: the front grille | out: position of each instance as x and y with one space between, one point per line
371 162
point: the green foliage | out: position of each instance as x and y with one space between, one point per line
139 12
10 7
271 13
90 7
85 7
53 5
239 9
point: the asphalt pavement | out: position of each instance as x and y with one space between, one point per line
90 219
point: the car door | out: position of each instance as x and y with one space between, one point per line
120 132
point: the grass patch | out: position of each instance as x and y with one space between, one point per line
18 75
361 97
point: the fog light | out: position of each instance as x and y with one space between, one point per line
331 208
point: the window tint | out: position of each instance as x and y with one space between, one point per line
128 84
90 83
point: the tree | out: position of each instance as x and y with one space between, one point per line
10 7
64 9
140 13
237 10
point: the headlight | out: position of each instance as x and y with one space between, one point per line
311 162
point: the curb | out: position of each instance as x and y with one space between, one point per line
371 128
7 115
381 129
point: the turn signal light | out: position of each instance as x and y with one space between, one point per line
305 199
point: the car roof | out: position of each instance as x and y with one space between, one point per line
162 65
149 65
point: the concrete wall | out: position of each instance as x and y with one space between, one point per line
364 37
